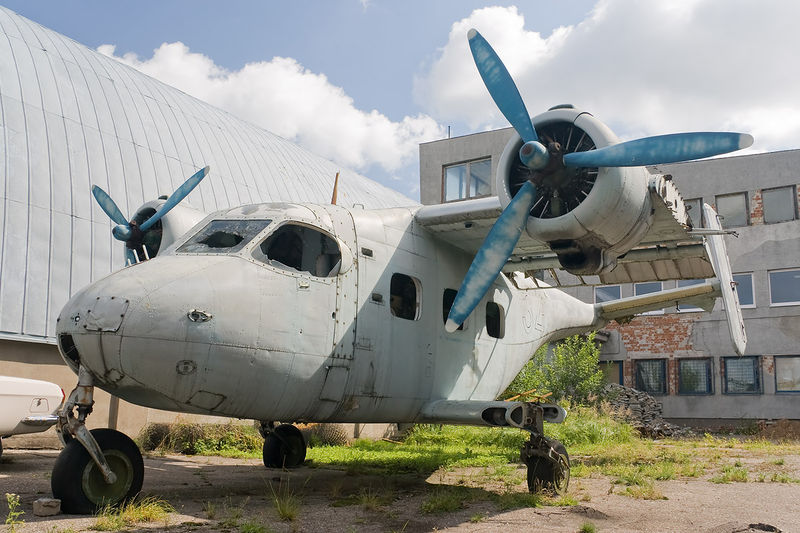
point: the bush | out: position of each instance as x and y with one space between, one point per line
204 439
572 373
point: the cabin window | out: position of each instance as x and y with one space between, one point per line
495 323
223 236
694 376
744 287
448 297
405 297
742 375
302 249
779 204
732 209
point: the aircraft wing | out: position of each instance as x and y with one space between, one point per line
671 249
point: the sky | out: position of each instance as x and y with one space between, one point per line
363 82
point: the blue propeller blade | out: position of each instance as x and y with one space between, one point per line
108 206
175 197
660 149
501 86
491 257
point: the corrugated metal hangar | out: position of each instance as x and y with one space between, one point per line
71 118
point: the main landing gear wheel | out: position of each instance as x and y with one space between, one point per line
79 483
284 447
548 466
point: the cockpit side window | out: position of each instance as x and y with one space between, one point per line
223 236
301 248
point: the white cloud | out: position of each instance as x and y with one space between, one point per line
644 68
289 100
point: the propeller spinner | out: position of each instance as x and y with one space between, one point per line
130 232
546 161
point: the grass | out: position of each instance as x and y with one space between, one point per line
587 527
446 499
731 473
132 513
14 512
286 502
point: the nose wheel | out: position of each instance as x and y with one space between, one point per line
80 485
284 446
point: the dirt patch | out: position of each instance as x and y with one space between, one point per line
213 494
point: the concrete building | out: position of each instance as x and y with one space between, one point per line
71 118
683 356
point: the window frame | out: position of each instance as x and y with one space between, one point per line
759 378
794 204
467 179
781 391
664 370
661 285
617 285
689 308
769 286
746 209
709 376
752 290
699 221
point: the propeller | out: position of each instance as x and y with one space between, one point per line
132 233
550 162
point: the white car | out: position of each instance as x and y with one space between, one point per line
27 406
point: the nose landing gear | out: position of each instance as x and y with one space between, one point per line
284 446
95 468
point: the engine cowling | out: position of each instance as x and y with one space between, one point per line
588 216
167 230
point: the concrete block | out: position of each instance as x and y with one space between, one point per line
47 507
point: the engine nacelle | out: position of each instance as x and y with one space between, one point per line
166 231
588 216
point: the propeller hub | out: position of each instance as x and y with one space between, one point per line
121 233
534 155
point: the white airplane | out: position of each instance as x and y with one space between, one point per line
319 313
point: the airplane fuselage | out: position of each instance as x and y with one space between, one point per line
306 313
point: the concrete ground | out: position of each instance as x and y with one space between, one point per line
214 494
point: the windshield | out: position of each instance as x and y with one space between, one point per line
223 237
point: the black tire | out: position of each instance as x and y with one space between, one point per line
545 474
1 447
78 482
284 447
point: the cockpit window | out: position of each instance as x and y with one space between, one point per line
223 237
301 248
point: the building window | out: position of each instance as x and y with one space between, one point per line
647 288
742 375
695 209
787 373
779 204
651 375
694 376
784 287
448 297
405 297
744 287
467 180
732 209
607 293
495 323
689 308
612 371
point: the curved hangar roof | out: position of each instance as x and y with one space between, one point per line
72 118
